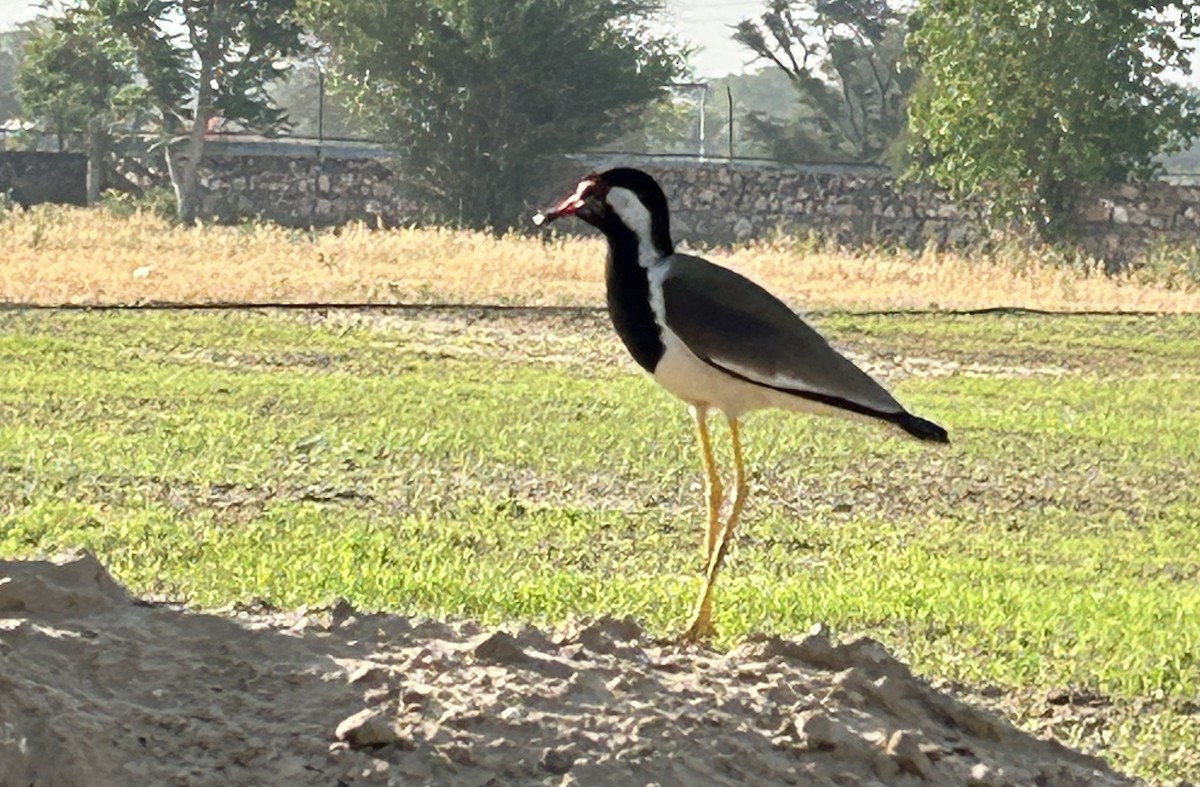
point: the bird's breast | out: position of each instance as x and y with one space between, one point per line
628 294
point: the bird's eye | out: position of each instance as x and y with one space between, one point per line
597 189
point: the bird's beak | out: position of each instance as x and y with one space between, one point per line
544 217
568 207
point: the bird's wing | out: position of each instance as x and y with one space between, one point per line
738 327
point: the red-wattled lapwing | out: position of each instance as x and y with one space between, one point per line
716 340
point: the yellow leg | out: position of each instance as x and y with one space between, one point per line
701 626
739 468
713 491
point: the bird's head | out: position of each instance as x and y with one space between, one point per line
621 200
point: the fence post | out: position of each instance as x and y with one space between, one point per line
729 97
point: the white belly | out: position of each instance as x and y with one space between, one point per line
695 382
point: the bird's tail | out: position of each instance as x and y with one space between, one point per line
921 428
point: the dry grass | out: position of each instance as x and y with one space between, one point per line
65 255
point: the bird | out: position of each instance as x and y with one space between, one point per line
718 341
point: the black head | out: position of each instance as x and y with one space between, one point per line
619 200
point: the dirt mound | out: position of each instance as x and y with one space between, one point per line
100 689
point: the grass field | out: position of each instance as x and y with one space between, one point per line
515 466
67 255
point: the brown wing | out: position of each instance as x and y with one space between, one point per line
737 326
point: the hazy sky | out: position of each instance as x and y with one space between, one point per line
706 24
703 22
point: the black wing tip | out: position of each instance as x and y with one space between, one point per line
921 428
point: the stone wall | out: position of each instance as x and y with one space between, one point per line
302 186
712 202
303 191
1117 221
34 177
717 203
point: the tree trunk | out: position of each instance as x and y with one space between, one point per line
97 149
186 177
187 186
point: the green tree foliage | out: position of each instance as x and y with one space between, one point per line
762 97
666 126
75 86
1022 101
12 52
476 94
843 57
299 95
202 59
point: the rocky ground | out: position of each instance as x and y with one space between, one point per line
97 688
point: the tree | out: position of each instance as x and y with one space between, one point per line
12 52
1022 101
843 57
666 126
216 67
77 88
300 96
763 97
476 93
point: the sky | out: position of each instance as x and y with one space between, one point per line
705 23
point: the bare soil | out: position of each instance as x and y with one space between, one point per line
98 688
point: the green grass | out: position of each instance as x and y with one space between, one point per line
1055 546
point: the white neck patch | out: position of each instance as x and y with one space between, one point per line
636 217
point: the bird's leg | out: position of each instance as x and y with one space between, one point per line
713 492
741 486
701 626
